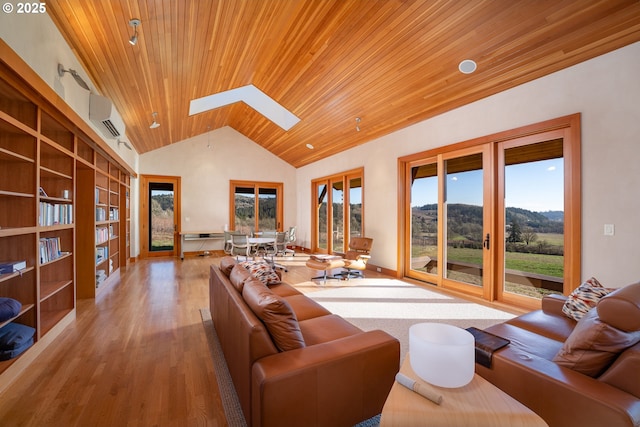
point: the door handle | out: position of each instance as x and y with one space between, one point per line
486 242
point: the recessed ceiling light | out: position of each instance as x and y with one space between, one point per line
310 147
467 66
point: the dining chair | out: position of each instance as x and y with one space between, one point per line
240 245
290 240
227 243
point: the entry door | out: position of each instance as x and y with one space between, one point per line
160 214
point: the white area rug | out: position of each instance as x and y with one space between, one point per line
393 306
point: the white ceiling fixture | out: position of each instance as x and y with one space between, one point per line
155 123
467 66
134 38
253 97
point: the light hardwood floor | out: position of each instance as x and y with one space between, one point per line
136 356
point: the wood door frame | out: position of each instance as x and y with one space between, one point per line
144 214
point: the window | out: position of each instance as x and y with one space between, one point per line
255 206
497 217
338 211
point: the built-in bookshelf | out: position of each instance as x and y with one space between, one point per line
54 177
37 227
100 186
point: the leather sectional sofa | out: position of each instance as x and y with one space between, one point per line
292 362
574 373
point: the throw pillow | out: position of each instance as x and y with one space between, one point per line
262 271
276 313
9 308
584 298
593 345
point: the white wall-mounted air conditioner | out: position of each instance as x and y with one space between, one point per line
105 116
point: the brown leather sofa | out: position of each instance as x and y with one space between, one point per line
312 368
580 396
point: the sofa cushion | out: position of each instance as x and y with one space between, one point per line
621 308
276 313
226 264
625 372
326 328
305 308
593 345
584 298
262 271
238 276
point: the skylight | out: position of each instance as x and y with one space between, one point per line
253 97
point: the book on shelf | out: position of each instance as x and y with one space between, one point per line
102 253
55 213
102 235
12 266
49 248
101 214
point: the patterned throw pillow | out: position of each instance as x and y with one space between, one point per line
262 271
584 299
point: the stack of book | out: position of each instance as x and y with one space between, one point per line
102 253
101 275
8 267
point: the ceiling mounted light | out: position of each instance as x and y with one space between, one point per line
155 124
125 143
75 75
310 146
358 124
134 38
467 66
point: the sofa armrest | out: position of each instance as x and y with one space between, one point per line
561 396
340 382
552 304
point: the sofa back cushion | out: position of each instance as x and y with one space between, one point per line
593 345
621 308
276 313
226 264
625 372
238 276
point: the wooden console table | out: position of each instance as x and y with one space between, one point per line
479 403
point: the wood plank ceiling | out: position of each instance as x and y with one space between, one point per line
391 63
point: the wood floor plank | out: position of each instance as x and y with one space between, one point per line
136 356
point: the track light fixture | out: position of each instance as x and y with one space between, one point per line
357 124
125 143
154 124
134 38
75 75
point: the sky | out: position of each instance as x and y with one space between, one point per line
535 186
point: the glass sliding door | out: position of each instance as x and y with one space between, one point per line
256 206
267 209
338 211
322 214
355 206
337 215
532 213
244 219
423 223
498 217
464 226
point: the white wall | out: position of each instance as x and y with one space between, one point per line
605 90
36 39
205 174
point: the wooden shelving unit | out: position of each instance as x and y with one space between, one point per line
37 164
53 179
100 189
